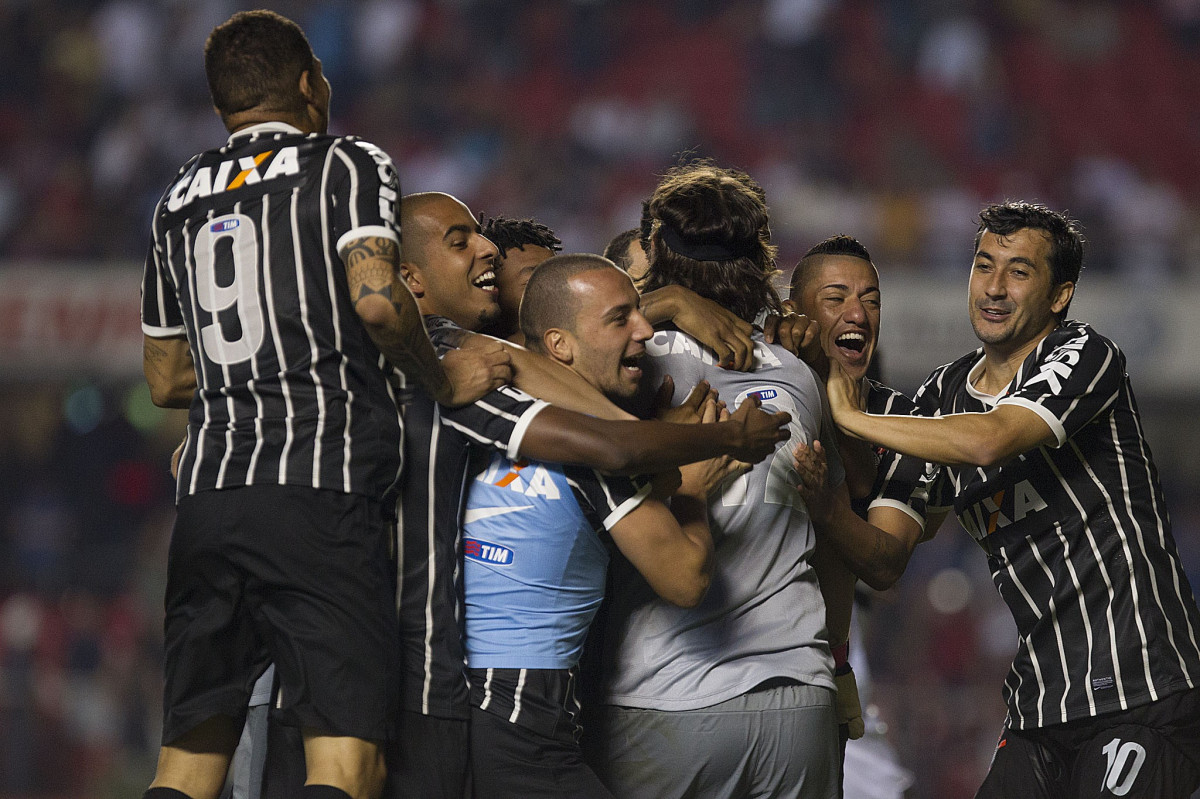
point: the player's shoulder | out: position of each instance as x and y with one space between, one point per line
1076 335
882 399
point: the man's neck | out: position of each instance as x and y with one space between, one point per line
1000 365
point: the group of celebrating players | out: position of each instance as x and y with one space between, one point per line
447 525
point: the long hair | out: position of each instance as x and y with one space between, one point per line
710 232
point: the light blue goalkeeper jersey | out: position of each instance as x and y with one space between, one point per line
535 563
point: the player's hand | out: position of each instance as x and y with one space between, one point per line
759 432
718 328
175 456
797 334
701 404
849 708
480 365
813 480
845 394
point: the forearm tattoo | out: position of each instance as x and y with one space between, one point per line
371 263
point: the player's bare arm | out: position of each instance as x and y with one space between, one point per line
876 549
170 373
638 447
676 562
392 319
959 439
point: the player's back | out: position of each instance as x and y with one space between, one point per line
763 616
245 260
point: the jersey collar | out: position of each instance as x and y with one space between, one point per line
263 128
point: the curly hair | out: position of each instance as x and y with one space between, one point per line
518 233
718 218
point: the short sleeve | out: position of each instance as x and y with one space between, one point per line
1075 381
498 420
161 315
365 193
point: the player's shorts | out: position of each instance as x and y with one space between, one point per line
430 758
778 740
292 575
525 736
1148 752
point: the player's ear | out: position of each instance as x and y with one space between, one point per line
1060 296
412 277
559 345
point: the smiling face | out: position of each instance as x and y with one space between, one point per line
1013 300
512 273
841 294
609 333
447 261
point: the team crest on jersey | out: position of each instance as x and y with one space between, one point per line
1003 508
487 552
233 174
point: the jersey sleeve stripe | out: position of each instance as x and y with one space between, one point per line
518 433
366 231
626 507
1052 421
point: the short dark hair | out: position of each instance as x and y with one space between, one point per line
1064 233
716 210
519 233
548 301
255 59
840 244
617 250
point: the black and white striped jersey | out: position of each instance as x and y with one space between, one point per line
437 444
1077 536
244 261
900 481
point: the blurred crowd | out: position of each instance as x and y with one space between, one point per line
892 120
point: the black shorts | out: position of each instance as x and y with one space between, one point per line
528 746
430 758
1148 752
292 575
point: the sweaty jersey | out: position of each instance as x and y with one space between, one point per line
437 444
763 616
244 262
535 560
1077 535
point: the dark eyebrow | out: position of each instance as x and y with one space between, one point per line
459 229
1020 259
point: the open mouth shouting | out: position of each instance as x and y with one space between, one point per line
631 365
852 346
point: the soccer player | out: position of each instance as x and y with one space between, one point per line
521 245
536 546
750 666
1045 465
836 285
269 299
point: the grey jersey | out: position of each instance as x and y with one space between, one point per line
763 616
